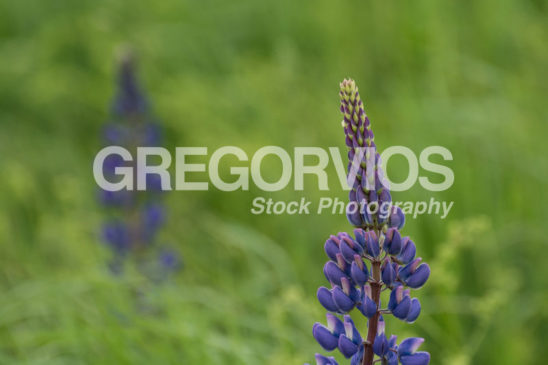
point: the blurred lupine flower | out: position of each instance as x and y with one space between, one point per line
377 239
135 217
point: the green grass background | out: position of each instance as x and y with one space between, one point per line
467 75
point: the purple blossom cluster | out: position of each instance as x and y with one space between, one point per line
134 217
375 259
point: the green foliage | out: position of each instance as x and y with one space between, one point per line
469 76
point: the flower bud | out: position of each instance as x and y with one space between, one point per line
381 325
414 311
358 271
325 297
349 289
380 345
333 273
342 264
350 341
347 347
388 272
350 330
342 300
409 345
392 242
331 247
328 337
409 269
334 324
402 309
392 341
397 218
384 196
353 210
360 235
342 297
408 251
399 302
325 338
367 306
349 248
419 277
414 275
372 244
391 357
354 217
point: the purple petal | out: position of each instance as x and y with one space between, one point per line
419 358
360 236
358 275
334 324
333 273
358 356
347 251
326 299
380 346
352 213
331 249
402 310
347 347
351 331
409 269
409 345
394 295
372 245
343 301
392 359
392 341
397 218
388 273
381 326
414 311
408 251
349 289
324 360
385 197
324 337
393 241
368 307
341 263
419 277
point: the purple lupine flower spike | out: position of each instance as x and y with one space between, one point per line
130 99
355 283
139 214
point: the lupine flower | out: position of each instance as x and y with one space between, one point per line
135 216
377 240
407 352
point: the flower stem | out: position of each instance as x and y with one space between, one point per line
376 287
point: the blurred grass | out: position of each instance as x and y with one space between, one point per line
469 76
